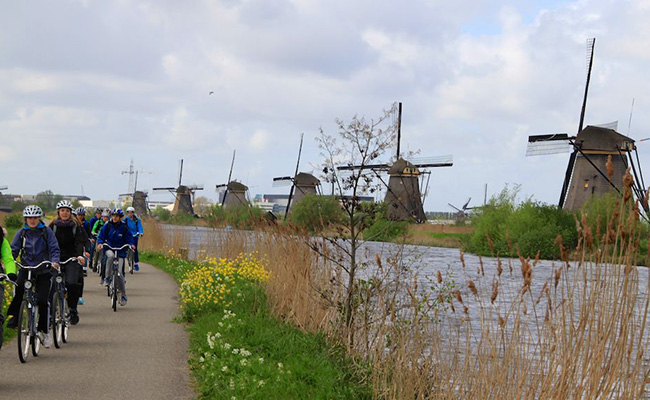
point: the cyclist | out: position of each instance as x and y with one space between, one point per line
8 267
135 226
88 250
35 243
71 237
94 232
116 234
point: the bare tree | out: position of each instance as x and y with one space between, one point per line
361 144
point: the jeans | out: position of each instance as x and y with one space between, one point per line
42 285
119 283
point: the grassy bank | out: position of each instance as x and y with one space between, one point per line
239 350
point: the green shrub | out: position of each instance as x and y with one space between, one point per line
242 217
14 221
383 230
162 214
315 213
529 226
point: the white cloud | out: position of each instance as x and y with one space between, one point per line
259 140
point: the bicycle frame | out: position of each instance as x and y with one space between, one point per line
112 290
32 307
60 323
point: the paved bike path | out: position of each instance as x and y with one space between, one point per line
134 353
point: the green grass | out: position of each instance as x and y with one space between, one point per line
244 352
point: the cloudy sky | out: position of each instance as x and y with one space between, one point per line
88 85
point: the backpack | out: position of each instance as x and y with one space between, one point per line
23 238
74 229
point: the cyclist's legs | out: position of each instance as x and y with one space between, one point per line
72 273
43 288
119 283
18 294
107 271
136 257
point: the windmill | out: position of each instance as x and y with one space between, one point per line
233 193
592 148
138 197
461 213
184 195
302 184
403 192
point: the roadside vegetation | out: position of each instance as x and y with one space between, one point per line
239 350
450 337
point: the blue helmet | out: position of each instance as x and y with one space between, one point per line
118 211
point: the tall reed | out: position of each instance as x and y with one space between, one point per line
491 333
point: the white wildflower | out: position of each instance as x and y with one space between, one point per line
232 384
226 346
261 359
235 351
243 362
244 352
280 365
224 368
261 383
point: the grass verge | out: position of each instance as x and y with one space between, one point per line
239 350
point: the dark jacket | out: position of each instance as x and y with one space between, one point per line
115 235
39 245
71 239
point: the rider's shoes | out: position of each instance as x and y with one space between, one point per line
136 267
107 281
74 316
45 339
95 269
12 323
123 300
81 302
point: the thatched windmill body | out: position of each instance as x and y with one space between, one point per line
184 195
406 188
302 184
599 158
233 193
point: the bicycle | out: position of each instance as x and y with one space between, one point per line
117 274
131 256
3 278
59 315
28 316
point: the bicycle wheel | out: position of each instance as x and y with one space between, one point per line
34 340
66 320
24 331
57 321
114 295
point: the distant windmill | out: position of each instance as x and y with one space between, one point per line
301 183
233 193
462 211
586 174
403 193
184 195
138 197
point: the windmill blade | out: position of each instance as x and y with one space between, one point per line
467 203
436 161
369 166
3 187
195 187
539 145
164 188
609 125
454 207
222 186
282 181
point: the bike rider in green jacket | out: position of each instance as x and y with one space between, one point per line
9 268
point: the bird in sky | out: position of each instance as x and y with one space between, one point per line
210 93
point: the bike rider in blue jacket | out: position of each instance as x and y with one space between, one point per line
116 234
135 226
34 244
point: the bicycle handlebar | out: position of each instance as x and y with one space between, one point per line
116 248
34 266
5 278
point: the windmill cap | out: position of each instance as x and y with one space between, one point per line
604 139
401 166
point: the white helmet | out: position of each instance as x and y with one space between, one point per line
64 204
32 211
129 209
106 213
